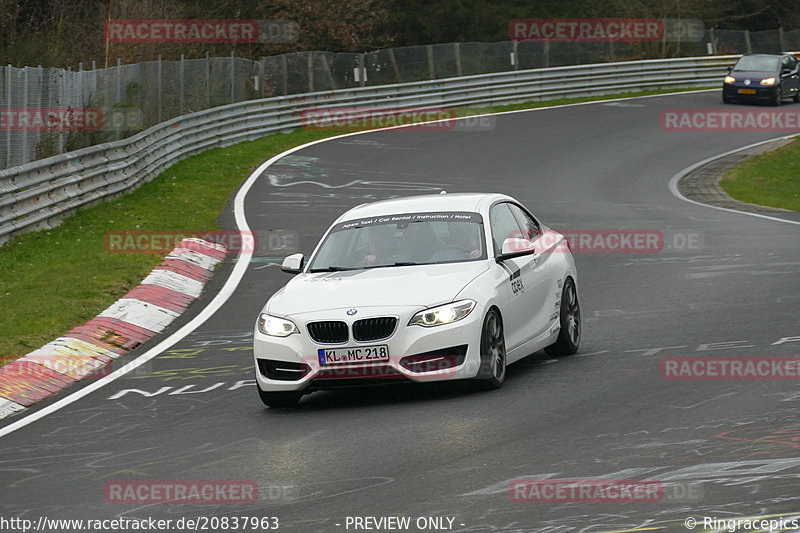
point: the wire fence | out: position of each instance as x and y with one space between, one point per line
48 111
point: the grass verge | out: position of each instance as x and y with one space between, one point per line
771 179
54 280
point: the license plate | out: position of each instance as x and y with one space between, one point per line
747 91
356 354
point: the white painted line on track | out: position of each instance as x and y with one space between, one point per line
673 183
243 260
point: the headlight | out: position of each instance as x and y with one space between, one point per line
729 79
444 314
276 327
768 81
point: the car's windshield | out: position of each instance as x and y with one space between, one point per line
757 64
402 240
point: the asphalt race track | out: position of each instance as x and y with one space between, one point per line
724 284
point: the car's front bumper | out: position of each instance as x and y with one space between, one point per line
416 353
760 93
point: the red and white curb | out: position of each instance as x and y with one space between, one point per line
88 350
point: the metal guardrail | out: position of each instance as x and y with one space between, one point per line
40 194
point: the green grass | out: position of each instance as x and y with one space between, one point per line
57 279
771 179
54 280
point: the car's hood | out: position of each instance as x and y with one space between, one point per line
423 285
742 75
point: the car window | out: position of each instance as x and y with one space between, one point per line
401 240
504 225
758 63
530 228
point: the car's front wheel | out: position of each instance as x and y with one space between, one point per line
279 399
492 373
569 337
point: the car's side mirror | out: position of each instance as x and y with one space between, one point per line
730 68
515 247
292 264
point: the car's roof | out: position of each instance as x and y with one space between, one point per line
470 202
758 54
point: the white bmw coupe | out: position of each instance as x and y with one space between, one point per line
424 288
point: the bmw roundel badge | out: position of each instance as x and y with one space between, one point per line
351 312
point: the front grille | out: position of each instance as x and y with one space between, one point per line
373 329
437 360
363 376
282 370
329 331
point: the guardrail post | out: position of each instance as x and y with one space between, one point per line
457 53
25 106
119 81
431 68
208 80
546 53
712 43
159 88
284 75
310 70
747 41
361 75
262 77
514 55
233 78
7 103
393 61
181 84
62 91
782 39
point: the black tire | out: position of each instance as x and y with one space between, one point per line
279 399
569 337
796 97
777 96
492 373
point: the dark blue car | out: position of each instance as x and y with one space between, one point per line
767 78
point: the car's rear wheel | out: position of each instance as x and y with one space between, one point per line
777 95
279 399
492 373
569 337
